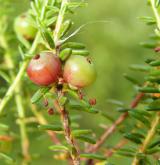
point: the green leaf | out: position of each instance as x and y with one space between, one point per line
131 79
148 20
149 44
149 90
127 149
73 45
51 21
140 118
154 106
64 54
39 94
80 52
63 100
153 79
155 63
143 68
58 148
104 114
126 154
121 109
75 105
115 102
93 156
21 52
50 127
4 127
51 11
81 132
65 28
7 158
157 3
153 150
87 139
153 144
74 5
5 77
47 36
133 138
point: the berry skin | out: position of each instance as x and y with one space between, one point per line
44 69
79 71
51 111
92 101
23 27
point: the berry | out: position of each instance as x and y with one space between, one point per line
79 71
44 69
51 111
92 101
23 27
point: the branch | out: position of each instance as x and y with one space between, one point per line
155 11
20 108
19 76
148 138
111 129
110 152
67 131
60 21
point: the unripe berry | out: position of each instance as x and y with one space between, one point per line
23 27
44 69
79 71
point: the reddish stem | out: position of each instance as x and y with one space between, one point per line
111 129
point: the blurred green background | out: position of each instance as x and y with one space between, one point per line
114 45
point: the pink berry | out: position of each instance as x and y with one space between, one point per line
44 69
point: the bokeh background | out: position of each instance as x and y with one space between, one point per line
113 40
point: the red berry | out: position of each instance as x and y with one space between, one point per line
92 101
51 111
44 69
157 49
79 71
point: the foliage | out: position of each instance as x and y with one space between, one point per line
52 19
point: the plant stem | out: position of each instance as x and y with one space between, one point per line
155 11
60 21
20 110
22 124
67 132
148 138
19 76
111 129
110 152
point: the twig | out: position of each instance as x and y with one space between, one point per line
111 129
60 21
67 131
19 76
20 108
148 138
110 152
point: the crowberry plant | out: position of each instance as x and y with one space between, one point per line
60 69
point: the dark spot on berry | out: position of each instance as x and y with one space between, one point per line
89 60
36 57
